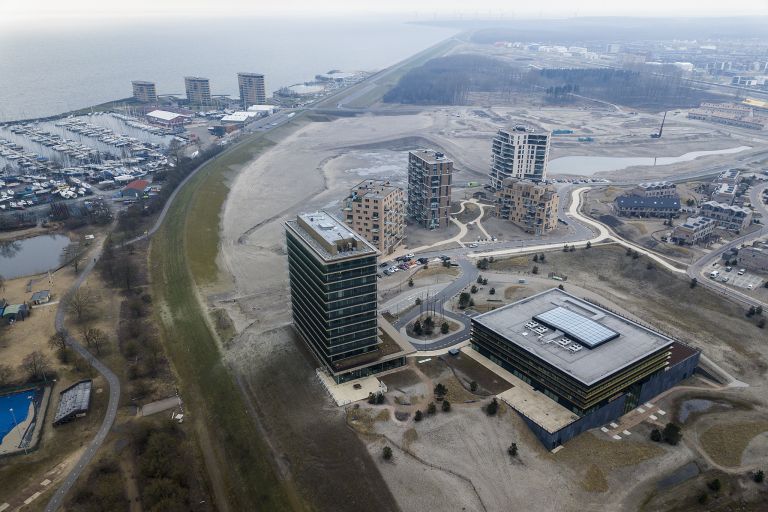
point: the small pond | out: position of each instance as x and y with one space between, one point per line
31 255
589 165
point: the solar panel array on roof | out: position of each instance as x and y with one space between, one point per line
582 329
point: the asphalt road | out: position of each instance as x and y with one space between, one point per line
697 269
467 276
114 396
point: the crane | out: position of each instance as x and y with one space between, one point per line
661 128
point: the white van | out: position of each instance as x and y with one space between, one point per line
714 274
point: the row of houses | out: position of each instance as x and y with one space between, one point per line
712 215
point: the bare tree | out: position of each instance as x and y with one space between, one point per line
58 340
2 283
74 254
80 303
96 338
35 365
6 374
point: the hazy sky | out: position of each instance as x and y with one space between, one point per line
17 10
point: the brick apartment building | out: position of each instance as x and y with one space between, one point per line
376 210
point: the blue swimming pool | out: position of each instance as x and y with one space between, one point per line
19 402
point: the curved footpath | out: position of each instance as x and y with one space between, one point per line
114 394
114 383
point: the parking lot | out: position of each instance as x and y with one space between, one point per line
744 281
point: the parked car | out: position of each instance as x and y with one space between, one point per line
728 269
409 255
423 260
386 272
384 265
742 271
472 245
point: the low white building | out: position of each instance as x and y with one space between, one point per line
240 118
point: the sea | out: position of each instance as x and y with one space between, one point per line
47 70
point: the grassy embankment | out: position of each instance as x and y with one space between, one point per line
377 92
237 458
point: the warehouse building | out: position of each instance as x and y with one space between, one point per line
579 365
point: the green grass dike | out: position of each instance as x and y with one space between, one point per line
239 463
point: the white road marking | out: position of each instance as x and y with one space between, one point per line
4 506
617 437
31 498
640 410
653 417
661 412
45 482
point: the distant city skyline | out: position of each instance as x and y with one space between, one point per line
424 9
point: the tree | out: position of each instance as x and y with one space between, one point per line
751 311
535 269
473 386
485 280
758 476
96 338
672 434
410 282
479 279
542 257
446 406
759 310
58 340
440 389
512 450
431 408
589 245
80 303
464 299
694 282
492 291
386 453
417 328
761 323
418 416
35 365
560 287
473 289
656 435
482 263
535 258
429 325
715 485
418 301
444 328
565 248
492 408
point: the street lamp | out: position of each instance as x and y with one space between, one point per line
16 426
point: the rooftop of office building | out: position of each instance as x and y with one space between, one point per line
375 189
520 129
330 238
581 339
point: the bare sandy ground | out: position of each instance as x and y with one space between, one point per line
314 168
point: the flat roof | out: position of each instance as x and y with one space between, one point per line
582 329
165 115
321 230
431 156
632 342
238 117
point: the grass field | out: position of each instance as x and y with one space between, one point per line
237 458
726 442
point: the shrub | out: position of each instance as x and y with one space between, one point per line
386 453
431 408
418 301
440 389
512 450
492 291
473 386
535 258
492 408
473 289
561 287
703 498
672 434
694 282
444 328
446 406
656 435
758 476
715 485
464 300
535 269
761 323
542 257
589 245
418 416
479 279
380 398
410 282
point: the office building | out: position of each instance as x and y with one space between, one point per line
733 218
376 210
429 188
198 90
693 231
520 152
144 92
252 89
576 365
530 205
332 275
